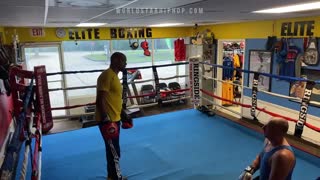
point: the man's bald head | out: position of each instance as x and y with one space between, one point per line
117 57
276 128
279 124
118 61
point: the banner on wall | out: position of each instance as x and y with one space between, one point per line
129 33
83 34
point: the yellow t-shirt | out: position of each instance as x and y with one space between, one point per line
109 82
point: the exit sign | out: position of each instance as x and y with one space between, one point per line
37 32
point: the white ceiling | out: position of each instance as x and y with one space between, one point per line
66 13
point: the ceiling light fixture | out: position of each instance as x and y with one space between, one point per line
291 8
166 24
90 24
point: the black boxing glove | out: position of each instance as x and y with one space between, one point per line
126 120
247 173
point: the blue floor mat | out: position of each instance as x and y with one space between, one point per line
184 145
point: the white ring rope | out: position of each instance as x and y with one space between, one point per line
167 78
141 81
128 107
222 107
173 77
132 82
266 92
27 151
215 104
72 88
25 163
40 153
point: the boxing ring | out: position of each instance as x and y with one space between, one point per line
182 145
189 144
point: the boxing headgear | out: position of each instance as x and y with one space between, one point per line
110 130
145 46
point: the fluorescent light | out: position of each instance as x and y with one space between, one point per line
291 8
90 24
166 24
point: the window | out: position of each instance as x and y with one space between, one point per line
164 54
84 55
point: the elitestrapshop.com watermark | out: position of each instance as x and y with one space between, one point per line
159 11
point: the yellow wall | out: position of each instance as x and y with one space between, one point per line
257 29
243 30
2 34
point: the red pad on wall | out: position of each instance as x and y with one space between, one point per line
179 50
6 106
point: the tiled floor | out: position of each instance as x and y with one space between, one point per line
67 125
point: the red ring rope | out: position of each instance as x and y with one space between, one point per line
260 109
165 92
139 96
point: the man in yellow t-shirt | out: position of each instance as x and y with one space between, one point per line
108 110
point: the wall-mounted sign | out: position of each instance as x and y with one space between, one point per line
37 32
299 28
128 33
84 34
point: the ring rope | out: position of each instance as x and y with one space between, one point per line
8 166
94 86
315 142
101 70
148 80
93 103
141 81
156 66
73 88
264 74
267 92
72 107
40 151
129 107
221 106
163 102
37 160
165 92
260 109
74 72
173 77
144 81
28 149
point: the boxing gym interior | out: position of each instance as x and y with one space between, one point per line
201 81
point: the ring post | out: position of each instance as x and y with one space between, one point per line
304 108
43 98
194 80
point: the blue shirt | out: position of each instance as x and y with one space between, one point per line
227 73
265 168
